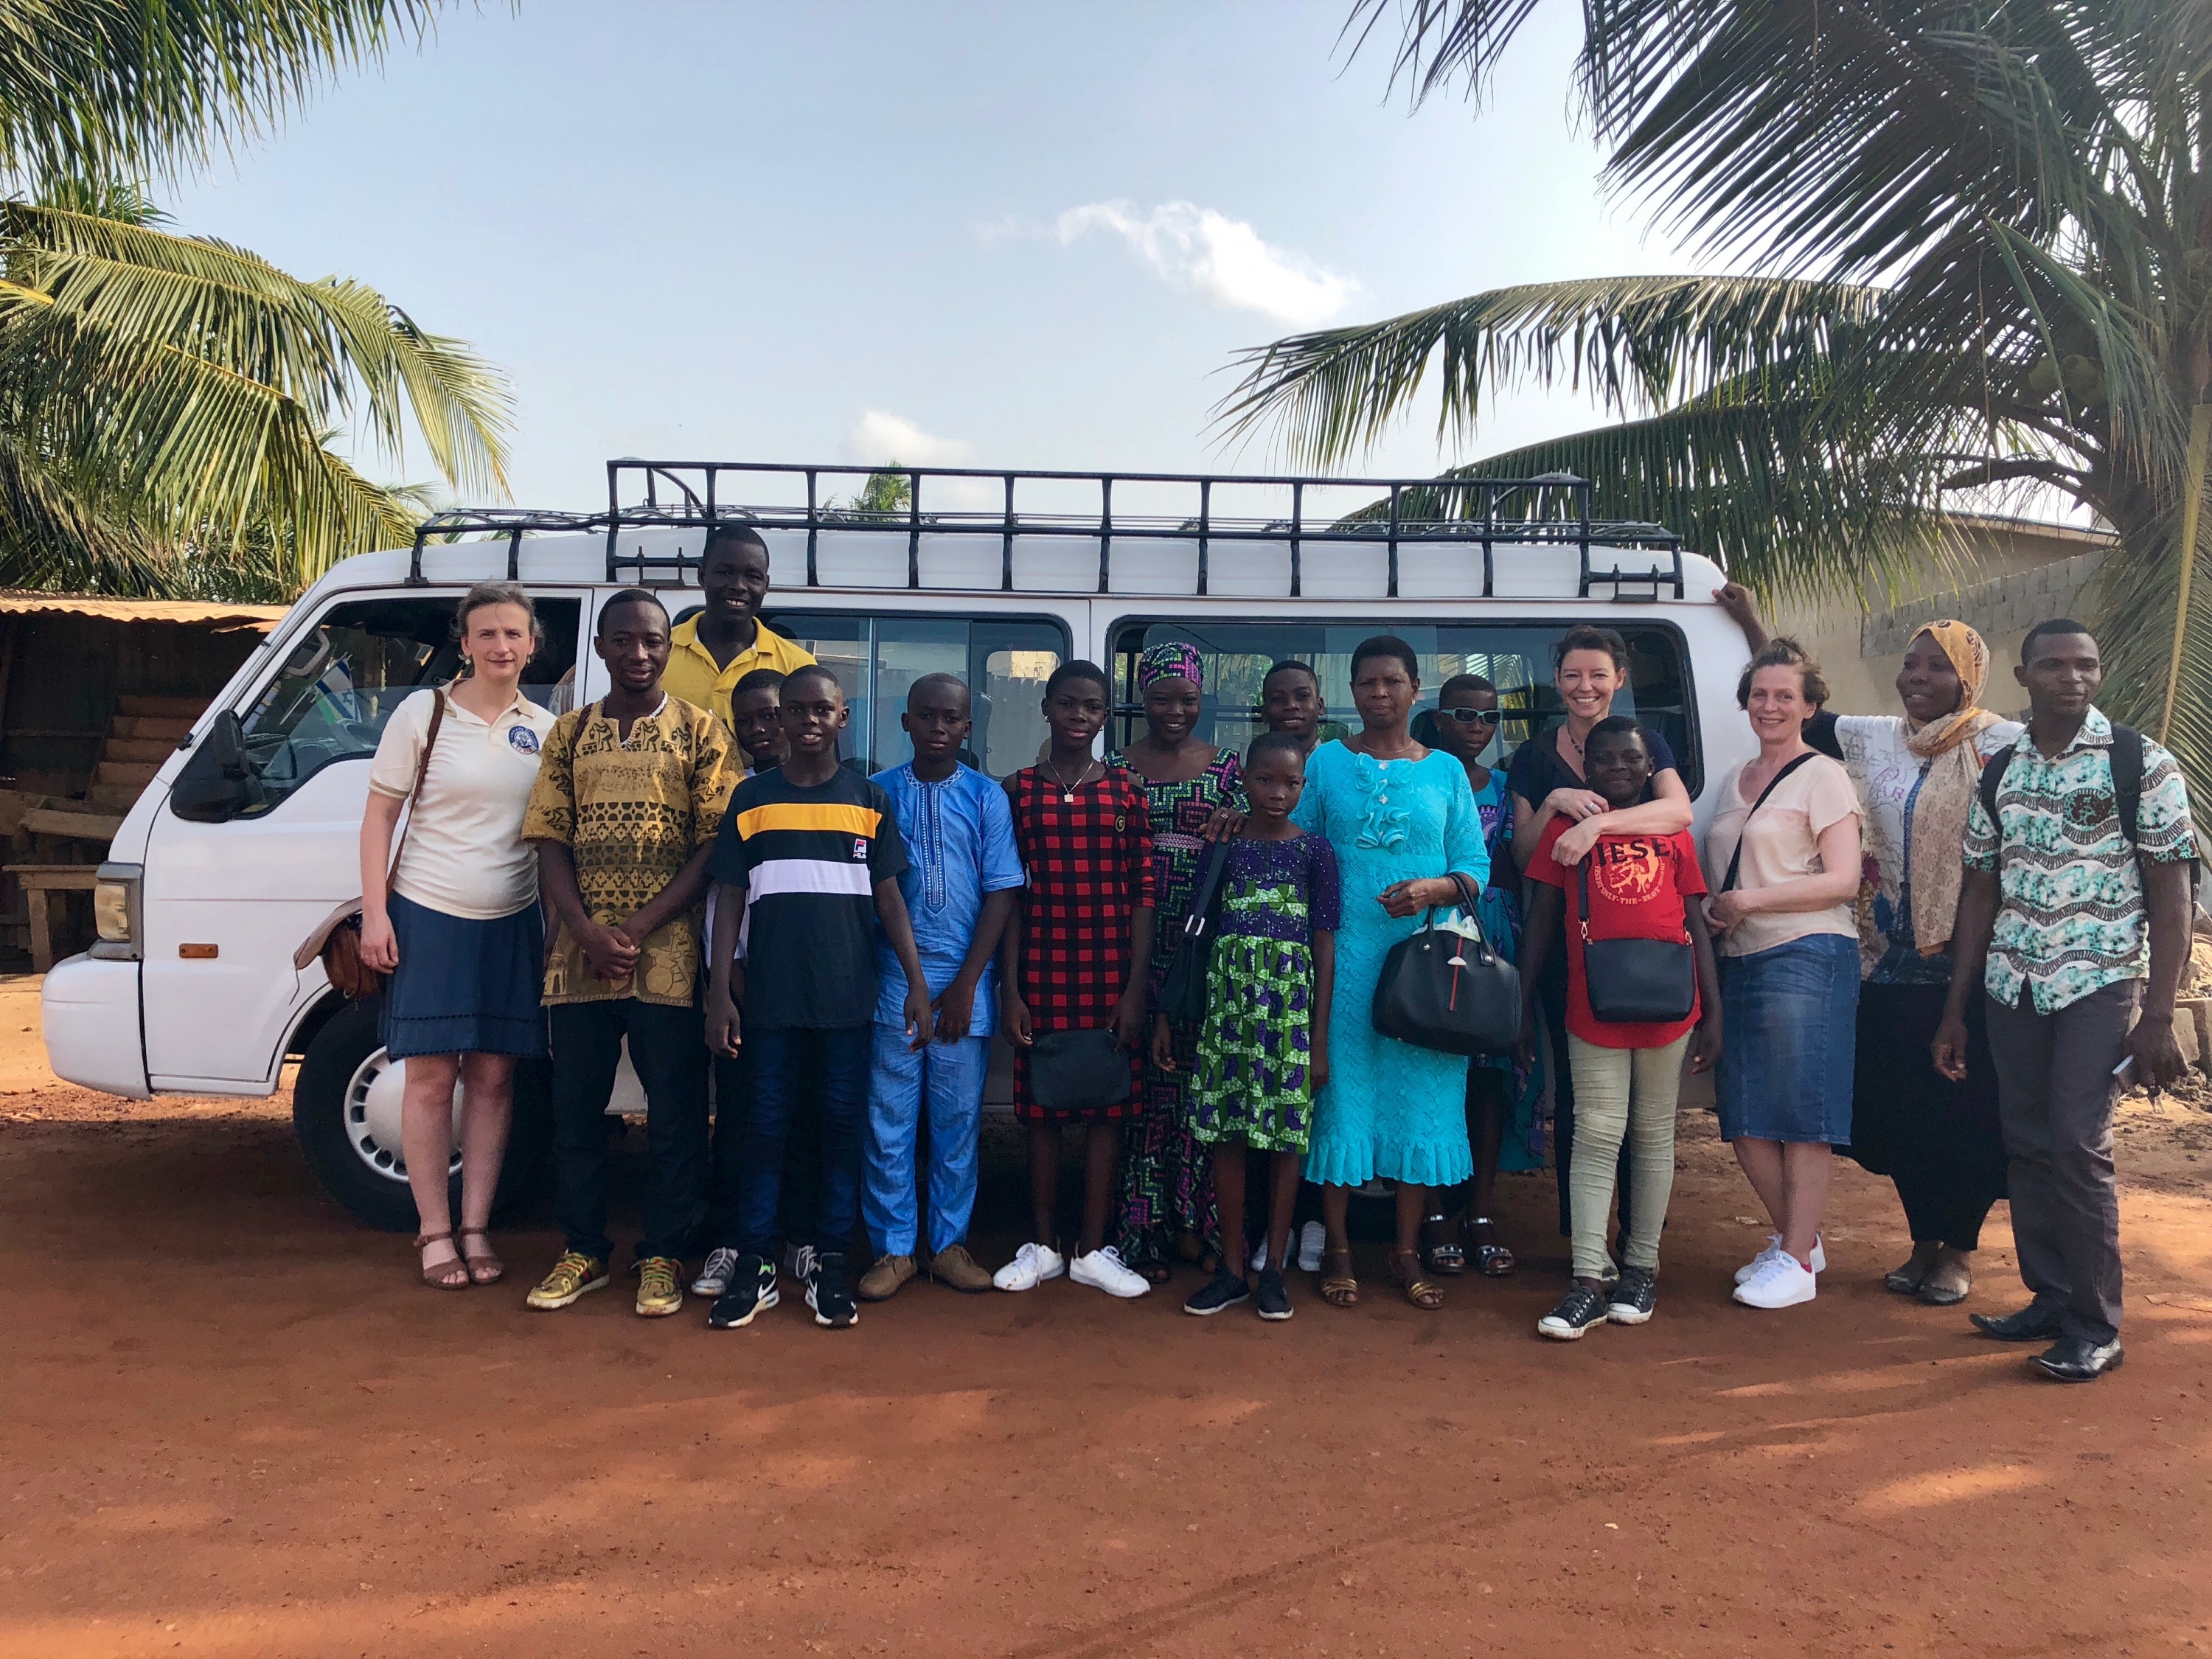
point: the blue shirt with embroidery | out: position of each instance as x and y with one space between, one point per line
960 846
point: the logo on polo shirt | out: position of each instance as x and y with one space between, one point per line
523 738
859 849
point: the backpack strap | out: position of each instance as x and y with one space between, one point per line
2126 758
1993 771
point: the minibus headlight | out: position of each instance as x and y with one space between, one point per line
115 911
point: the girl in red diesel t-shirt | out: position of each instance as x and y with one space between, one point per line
1626 1075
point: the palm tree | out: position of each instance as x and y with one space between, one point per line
1982 231
164 395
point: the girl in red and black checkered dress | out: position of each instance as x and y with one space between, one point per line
1074 958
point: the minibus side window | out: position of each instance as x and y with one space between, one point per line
1004 662
1513 656
342 678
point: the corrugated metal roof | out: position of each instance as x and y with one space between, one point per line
195 612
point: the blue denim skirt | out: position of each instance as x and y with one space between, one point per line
1788 1038
464 986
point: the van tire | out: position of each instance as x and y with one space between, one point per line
334 1057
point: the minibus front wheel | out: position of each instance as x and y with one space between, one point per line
345 1114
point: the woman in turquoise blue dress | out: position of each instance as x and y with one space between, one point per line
1403 820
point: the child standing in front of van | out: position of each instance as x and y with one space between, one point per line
1626 1075
1074 959
1264 1048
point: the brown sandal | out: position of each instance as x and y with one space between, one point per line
1423 1293
439 1275
1337 1287
484 1267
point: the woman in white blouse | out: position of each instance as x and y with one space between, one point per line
455 922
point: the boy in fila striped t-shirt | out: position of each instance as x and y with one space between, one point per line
807 864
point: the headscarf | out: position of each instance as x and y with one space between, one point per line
1947 794
1170 659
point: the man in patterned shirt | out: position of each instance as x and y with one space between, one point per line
629 796
2060 898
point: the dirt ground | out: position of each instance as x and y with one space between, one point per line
235 1425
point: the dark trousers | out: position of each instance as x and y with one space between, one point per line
668 1050
1551 992
2055 1092
802 1157
792 1068
1941 1142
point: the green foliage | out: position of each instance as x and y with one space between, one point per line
887 493
169 401
1986 234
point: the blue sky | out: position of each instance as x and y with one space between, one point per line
1001 235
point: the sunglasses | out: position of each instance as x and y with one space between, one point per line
1472 716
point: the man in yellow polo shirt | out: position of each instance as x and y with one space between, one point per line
711 652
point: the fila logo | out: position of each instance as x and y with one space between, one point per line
859 849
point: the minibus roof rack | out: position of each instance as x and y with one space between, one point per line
1551 509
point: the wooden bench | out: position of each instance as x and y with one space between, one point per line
40 882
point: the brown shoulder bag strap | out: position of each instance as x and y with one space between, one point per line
422 771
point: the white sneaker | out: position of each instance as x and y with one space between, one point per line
1774 1248
1032 1265
798 1262
1313 1238
1103 1268
1260 1257
714 1277
1784 1282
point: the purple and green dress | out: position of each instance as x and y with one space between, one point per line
1252 1081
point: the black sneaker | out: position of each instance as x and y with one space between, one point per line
1581 1308
1275 1297
752 1287
1631 1301
829 1295
1224 1290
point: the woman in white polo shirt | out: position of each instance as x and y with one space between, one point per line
456 925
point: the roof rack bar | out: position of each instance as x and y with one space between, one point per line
1297 551
1393 589
514 554
914 530
813 531
1205 516
1007 543
1105 534
414 577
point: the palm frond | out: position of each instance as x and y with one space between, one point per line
1633 344
130 88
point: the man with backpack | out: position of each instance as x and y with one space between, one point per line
2079 860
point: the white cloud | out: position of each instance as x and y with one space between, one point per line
879 437
1223 259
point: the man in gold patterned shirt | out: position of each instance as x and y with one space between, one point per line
630 794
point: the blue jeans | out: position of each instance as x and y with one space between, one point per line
948 1077
789 1063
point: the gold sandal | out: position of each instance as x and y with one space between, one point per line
1337 1287
486 1268
1423 1293
439 1275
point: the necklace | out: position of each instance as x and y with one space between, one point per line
1067 789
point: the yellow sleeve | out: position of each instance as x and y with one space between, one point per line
715 776
551 815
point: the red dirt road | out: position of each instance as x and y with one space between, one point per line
233 1425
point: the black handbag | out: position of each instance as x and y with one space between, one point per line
1442 990
1183 987
1633 982
1078 1071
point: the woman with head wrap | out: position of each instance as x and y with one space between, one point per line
1166 1176
1916 774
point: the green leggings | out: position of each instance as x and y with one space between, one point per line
1622 1092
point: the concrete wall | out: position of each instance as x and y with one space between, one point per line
2014 573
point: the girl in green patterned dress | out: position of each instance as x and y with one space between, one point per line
1264 1048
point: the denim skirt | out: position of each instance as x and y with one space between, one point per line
1788 1038
464 986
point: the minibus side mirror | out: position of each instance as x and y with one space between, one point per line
218 782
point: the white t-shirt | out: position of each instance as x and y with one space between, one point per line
1782 843
464 854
